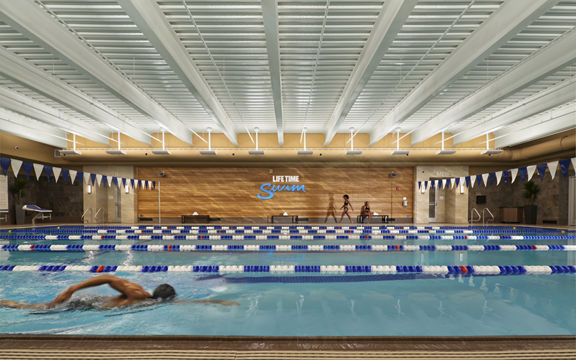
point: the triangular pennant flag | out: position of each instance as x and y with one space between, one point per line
109 179
73 176
513 173
552 166
115 180
467 179
541 170
5 164
450 183
153 185
48 172
473 179
87 177
505 176
27 166
485 179
459 181
133 184
523 172
432 183
38 170
140 184
104 180
93 179
65 175
443 183
419 184
564 166
16 164
498 177
425 185
123 182
98 179
530 169
56 171
573 163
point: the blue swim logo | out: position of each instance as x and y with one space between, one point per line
270 189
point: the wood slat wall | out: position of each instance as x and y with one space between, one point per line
231 192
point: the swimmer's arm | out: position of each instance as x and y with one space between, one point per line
208 301
20 305
125 287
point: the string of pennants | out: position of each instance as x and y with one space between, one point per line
72 175
507 176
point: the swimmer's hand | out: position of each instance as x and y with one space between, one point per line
61 298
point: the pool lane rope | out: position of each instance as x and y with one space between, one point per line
278 248
305 269
310 237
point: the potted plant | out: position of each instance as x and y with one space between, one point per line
17 191
531 190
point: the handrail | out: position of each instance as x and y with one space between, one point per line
86 212
97 212
483 217
472 216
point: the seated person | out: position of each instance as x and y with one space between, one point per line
130 294
365 212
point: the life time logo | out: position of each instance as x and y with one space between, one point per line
268 190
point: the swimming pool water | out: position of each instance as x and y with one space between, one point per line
306 305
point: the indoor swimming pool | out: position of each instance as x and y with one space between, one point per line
299 280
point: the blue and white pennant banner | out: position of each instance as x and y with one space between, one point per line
66 174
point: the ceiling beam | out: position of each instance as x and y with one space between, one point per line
13 124
563 120
149 18
20 71
35 23
512 17
270 16
14 101
557 95
558 54
387 26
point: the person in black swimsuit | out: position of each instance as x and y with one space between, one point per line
345 208
365 212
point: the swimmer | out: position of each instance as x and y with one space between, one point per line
130 294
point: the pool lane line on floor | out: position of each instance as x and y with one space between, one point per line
277 248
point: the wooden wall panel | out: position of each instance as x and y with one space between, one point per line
231 192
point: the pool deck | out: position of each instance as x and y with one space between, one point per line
238 347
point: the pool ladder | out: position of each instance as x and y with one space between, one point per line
94 215
476 216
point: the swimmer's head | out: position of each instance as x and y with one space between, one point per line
164 292
346 197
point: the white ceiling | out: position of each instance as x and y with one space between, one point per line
93 67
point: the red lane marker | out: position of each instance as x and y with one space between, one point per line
100 269
31 247
533 247
463 269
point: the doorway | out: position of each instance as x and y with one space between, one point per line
572 201
432 205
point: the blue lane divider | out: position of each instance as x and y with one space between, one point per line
280 248
327 269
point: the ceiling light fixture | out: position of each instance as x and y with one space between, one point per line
256 151
303 138
163 151
209 151
352 151
443 151
398 151
489 151
73 151
117 151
